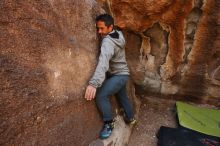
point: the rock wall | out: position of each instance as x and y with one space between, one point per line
172 46
48 52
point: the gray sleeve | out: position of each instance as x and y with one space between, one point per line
107 51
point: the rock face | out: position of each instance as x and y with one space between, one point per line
172 46
48 52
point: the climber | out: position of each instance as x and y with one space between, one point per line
111 75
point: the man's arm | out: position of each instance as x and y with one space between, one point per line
107 51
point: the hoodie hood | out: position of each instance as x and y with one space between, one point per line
117 37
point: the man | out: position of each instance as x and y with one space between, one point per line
111 75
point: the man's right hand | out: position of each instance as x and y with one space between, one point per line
90 92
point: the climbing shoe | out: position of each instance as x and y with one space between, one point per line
106 130
131 121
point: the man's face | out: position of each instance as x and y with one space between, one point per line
102 29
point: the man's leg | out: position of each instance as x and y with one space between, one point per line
125 103
109 87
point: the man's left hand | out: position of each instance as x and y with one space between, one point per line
90 92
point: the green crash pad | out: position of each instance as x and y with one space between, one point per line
203 120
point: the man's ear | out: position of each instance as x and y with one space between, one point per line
110 27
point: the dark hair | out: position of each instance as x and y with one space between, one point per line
106 18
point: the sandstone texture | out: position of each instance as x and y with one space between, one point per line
49 49
172 46
48 52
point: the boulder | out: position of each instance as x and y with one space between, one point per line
172 47
48 51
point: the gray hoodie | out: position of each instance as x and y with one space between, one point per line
111 59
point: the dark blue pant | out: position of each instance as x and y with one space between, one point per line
115 85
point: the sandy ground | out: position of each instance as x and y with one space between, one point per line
154 113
